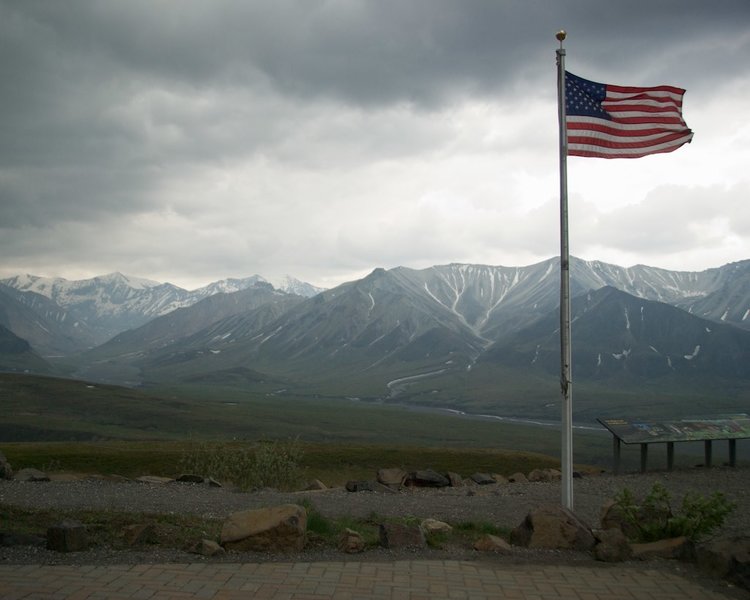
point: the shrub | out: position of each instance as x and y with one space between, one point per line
655 519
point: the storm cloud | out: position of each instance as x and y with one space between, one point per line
189 141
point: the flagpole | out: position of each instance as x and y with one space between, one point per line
566 382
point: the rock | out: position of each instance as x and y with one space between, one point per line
398 535
316 485
482 478
455 479
67 536
553 527
679 547
206 548
492 543
276 529
544 475
499 478
190 478
393 477
140 534
360 486
30 475
518 478
612 546
611 517
6 472
154 479
351 542
726 558
427 478
435 526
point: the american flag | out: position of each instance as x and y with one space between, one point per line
613 121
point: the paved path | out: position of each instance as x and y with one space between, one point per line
402 580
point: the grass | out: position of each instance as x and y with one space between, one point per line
135 432
334 464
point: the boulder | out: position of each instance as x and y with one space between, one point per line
351 542
492 543
679 548
612 546
30 475
553 527
455 479
198 479
360 486
6 472
154 479
483 478
206 548
726 558
544 475
190 478
67 536
435 526
275 529
518 478
139 534
427 478
393 477
499 478
399 535
316 485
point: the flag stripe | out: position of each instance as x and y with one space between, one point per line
611 121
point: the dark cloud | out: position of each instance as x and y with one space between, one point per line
183 114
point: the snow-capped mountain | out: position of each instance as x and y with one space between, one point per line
91 311
398 328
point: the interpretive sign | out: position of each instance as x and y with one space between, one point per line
706 429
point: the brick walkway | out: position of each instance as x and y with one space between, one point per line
405 580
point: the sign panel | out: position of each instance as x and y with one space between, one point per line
723 427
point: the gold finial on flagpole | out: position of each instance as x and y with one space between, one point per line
561 35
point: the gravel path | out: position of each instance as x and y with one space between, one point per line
503 505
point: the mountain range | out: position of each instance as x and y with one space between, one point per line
461 336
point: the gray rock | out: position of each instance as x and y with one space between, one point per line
393 477
67 536
351 542
360 486
30 475
427 478
726 558
612 546
455 479
399 535
483 478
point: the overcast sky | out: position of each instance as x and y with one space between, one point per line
189 141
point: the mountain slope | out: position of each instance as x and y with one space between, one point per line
16 354
89 312
615 333
50 330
